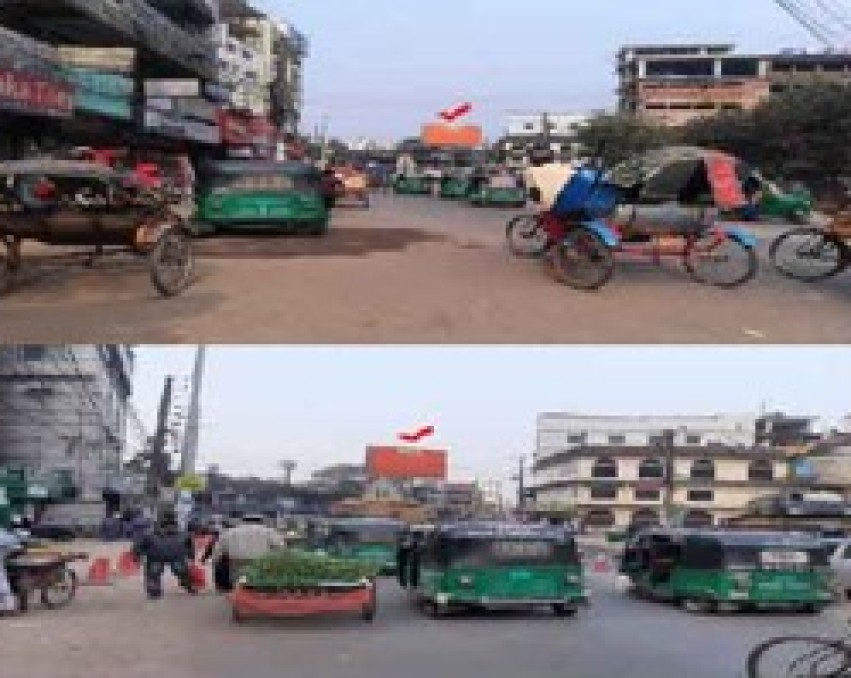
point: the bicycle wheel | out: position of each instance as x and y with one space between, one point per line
799 657
526 236
582 260
809 254
720 261
171 263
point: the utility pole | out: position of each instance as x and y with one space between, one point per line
668 500
189 451
521 484
159 467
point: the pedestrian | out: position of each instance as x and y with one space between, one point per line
546 178
9 544
237 546
165 545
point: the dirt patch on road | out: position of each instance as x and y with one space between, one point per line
344 242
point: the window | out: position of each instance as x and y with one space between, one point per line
605 467
685 68
846 553
647 494
645 517
761 469
617 439
741 68
701 495
600 518
651 468
604 491
696 518
576 438
703 469
693 439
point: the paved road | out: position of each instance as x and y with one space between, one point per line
112 632
412 270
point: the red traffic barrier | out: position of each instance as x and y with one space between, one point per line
602 565
99 572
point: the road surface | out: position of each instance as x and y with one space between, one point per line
113 631
411 270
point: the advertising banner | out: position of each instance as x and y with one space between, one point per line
173 88
109 59
402 463
33 95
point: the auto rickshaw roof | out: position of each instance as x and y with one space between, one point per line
496 530
739 537
366 522
249 167
57 168
639 167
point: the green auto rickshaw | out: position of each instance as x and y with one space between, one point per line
709 570
412 184
455 186
250 194
495 565
373 540
502 190
794 205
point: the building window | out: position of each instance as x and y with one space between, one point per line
674 68
651 468
576 438
647 494
740 68
692 439
701 495
761 469
645 517
605 467
600 518
617 439
703 469
604 491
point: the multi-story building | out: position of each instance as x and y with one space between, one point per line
64 413
674 84
612 471
558 130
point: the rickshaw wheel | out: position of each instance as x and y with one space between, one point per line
582 260
526 237
171 262
707 264
60 593
809 254
7 274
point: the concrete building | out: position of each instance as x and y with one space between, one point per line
612 471
557 130
64 413
674 84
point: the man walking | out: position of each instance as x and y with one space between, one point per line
166 545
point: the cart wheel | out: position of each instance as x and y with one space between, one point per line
722 262
171 262
582 260
564 610
526 236
61 592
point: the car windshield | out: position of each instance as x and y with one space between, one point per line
480 552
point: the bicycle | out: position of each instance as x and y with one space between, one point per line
800 657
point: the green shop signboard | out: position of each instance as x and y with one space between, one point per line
105 94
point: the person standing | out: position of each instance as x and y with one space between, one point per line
165 545
239 545
9 543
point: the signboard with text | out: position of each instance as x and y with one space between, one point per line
32 95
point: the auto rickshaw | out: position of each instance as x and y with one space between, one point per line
707 570
499 190
455 186
374 540
412 184
496 565
250 194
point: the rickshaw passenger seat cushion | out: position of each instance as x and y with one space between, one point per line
587 195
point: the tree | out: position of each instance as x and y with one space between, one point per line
617 137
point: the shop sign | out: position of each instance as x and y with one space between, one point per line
98 82
115 59
181 128
24 93
173 88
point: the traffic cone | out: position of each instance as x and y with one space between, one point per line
128 566
98 573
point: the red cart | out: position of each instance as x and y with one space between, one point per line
330 598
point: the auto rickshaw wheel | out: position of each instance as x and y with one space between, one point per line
172 262
699 606
564 610
61 592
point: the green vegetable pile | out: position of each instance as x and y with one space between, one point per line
301 571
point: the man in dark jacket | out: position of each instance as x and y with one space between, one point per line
165 545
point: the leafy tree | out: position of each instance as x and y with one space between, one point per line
617 137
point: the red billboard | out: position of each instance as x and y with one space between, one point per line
25 93
462 136
400 463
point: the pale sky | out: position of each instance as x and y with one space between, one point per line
380 68
324 405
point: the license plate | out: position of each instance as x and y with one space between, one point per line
783 558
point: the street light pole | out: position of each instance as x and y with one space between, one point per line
668 501
521 484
